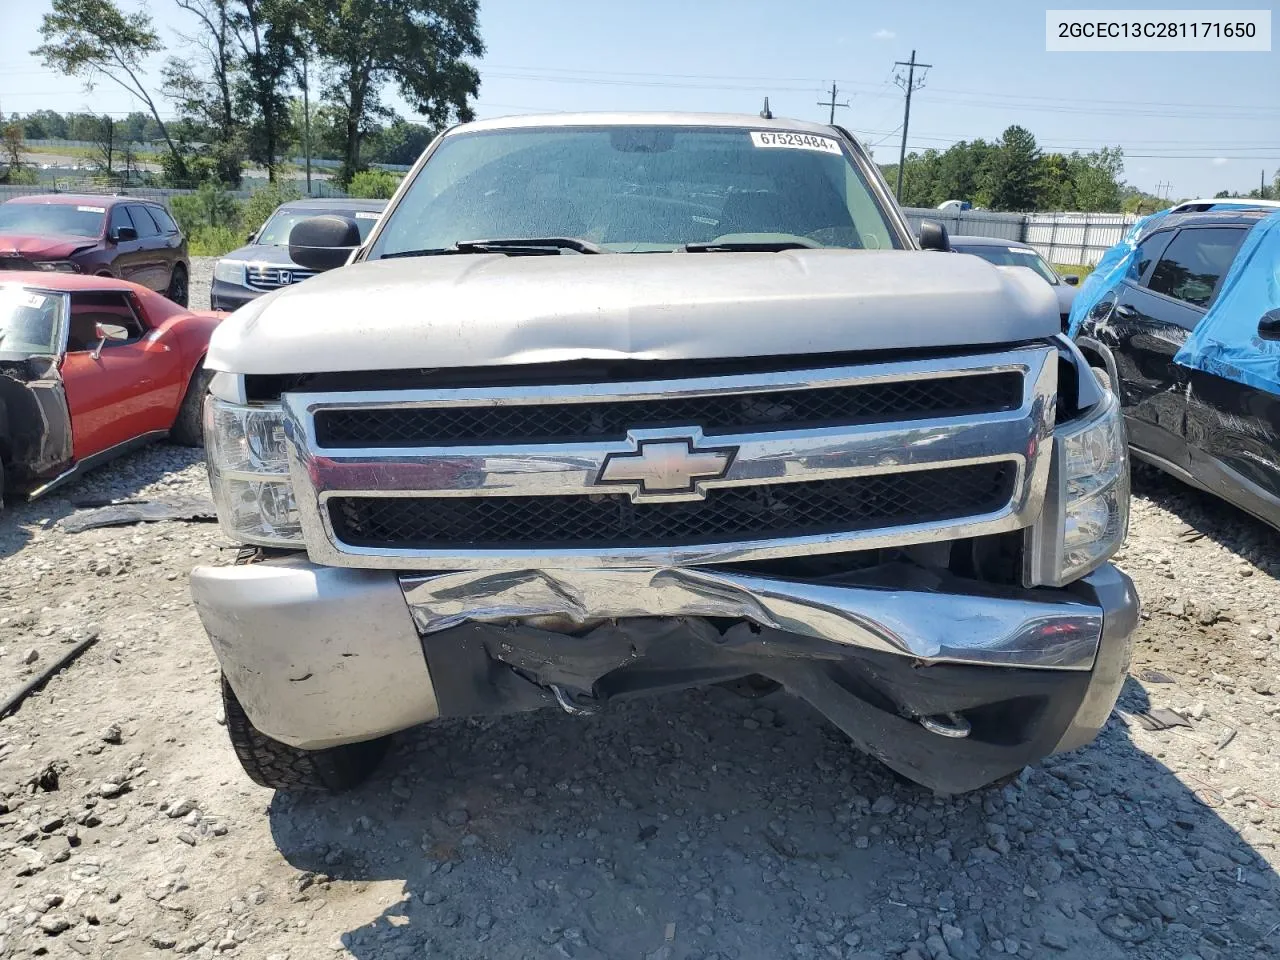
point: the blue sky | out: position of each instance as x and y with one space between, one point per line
1202 121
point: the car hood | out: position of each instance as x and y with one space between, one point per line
1066 296
42 247
262 253
487 309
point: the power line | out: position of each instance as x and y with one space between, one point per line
832 104
910 87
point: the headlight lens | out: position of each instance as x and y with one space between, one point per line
229 271
57 266
249 473
1087 509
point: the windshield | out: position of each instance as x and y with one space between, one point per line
275 232
1013 257
62 219
638 189
30 321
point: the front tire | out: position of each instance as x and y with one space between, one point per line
270 763
179 291
188 426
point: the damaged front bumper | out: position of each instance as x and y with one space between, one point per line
952 683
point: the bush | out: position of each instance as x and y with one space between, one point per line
207 241
373 184
209 206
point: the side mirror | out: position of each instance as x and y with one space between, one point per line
933 236
323 243
250 238
123 234
1269 325
1071 280
105 332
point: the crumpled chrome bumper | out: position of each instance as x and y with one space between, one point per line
901 609
323 655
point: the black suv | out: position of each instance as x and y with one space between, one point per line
1216 434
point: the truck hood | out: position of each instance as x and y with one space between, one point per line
41 247
488 309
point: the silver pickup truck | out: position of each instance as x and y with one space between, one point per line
616 404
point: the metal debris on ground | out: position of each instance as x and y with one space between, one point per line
1154 676
40 679
140 511
1161 718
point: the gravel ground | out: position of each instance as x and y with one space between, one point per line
201 278
696 825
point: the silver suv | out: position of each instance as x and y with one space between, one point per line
612 404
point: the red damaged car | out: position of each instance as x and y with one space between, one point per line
90 368
108 236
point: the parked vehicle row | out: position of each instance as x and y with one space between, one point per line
1011 253
1202 423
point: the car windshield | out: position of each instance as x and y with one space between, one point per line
60 219
275 232
30 321
638 189
1012 257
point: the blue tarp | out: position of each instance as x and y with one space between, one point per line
1226 342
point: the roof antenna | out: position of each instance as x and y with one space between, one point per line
766 113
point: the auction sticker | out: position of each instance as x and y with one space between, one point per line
91 209
794 141
367 215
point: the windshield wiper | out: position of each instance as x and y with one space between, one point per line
516 246
748 246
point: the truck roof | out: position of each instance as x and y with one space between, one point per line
643 118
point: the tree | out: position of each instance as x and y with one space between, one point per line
1097 179
11 142
1010 178
104 146
420 45
202 87
94 38
268 34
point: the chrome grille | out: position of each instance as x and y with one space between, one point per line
733 514
779 464
270 278
720 414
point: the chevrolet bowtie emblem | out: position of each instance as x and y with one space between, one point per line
666 469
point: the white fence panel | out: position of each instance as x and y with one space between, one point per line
1066 238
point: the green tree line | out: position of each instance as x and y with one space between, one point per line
1014 174
243 69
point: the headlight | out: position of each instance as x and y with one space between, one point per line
57 266
229 271
249 473
1086 513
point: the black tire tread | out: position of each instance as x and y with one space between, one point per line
188 425
270 763
186 293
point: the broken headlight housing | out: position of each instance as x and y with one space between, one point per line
1086 510
249 472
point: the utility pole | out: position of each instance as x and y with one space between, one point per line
909 86
832 104
1262 185
1161 187
306 119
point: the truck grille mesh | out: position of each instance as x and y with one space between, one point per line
339 428
728 514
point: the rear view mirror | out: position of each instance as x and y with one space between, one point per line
1071 280
323 243
1269 325
105 332
933 236
124 234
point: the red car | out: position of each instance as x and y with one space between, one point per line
90 368
123 237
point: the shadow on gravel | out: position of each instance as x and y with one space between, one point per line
702 825
1212 516
120 480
